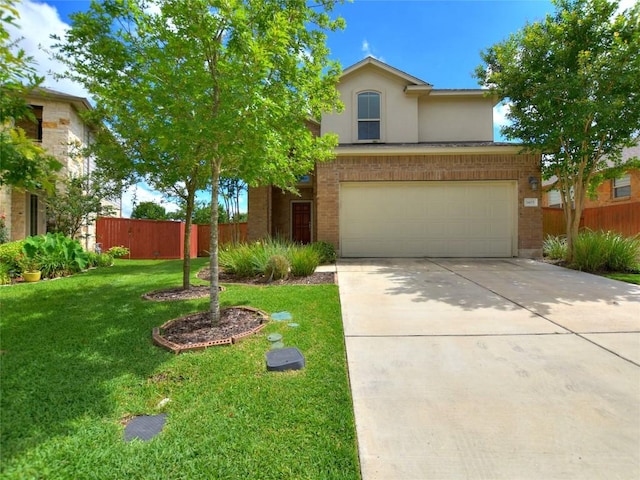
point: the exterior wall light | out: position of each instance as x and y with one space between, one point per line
533 183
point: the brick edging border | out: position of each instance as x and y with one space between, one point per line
160 341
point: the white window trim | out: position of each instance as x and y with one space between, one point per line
356 120
624 181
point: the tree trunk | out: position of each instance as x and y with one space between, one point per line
214 299
573 214
186 264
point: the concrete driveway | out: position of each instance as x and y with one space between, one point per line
491 369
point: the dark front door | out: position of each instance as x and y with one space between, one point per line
301 222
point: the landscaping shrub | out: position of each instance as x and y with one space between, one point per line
5 274
555 247
57 255
92 259
263 251
277 267
9 255
237 259
118 251
104 260
326 252
606 251
304 261
624 253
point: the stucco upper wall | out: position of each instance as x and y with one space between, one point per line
455 118
416 114
399 113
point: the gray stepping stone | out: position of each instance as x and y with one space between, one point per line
144 427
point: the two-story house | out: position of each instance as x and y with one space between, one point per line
60 129
416 174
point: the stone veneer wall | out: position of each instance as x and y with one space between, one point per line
431 168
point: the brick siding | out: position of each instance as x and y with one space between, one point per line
430 168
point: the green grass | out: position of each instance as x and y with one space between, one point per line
625 277
77 359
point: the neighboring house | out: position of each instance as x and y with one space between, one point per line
60 130
416 173
618 191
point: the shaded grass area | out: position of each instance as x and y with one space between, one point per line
77 361
625 277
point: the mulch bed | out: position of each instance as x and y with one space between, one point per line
317 278
195 331
197 328
170 294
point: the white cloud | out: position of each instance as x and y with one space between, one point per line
141 193
37 22
368 50
500 112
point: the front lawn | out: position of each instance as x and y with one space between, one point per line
625 277
77 362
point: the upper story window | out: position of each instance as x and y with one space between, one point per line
369 116
33 127
622 186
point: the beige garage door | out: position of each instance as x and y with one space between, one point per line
428 219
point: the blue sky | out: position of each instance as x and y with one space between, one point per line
436 41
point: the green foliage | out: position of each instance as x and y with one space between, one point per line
92 259
326 252
104 260
238 260
606 251
304 261
5 274
597 251
277 268
150 211
4 234
266 258
77 201
201 214
118 251
24 163
236 105
555 247
572 82
28 263
57 255
9 253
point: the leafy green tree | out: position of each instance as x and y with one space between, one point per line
149 210
77 202
202 89
24 163
201 214
573 84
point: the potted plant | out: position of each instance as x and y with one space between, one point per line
30 267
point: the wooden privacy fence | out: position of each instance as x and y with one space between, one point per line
227 233
623 218
159 239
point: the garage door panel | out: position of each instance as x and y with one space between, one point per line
439 219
